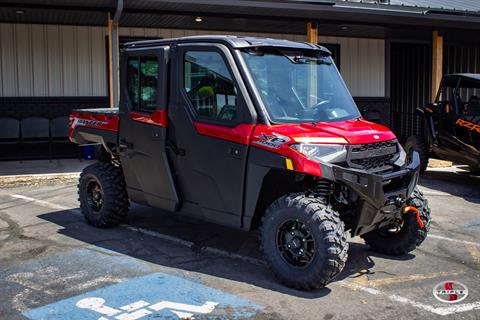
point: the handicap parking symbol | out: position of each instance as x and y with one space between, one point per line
154 296
140 309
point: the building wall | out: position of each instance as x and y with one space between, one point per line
50 60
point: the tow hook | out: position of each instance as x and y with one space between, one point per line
408 209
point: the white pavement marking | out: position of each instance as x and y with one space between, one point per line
135 305
44 203
43 175
441 311
453 240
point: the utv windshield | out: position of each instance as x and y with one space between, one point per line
300 86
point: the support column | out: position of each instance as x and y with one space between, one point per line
312 32
114 56
110 63
437 62
115 65
312 37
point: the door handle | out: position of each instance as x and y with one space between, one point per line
124 144
235 152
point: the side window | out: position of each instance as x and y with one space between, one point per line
210 85
142 82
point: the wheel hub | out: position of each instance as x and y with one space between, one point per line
94 195
295 243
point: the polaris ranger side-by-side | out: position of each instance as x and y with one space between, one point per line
451 123
253 134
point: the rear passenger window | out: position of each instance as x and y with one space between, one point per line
142 83
210 86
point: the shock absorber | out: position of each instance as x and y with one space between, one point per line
322 190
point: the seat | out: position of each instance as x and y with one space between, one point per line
9 131
474 106
9 138
61 145
59 129
35 131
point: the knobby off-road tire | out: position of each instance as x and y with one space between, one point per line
410 235
419 144
102 194
322 224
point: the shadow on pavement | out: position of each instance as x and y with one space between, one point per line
167 254
460 184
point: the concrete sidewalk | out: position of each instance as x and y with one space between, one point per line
42 167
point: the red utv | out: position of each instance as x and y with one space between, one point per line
254 134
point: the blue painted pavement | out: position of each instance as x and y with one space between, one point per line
154 296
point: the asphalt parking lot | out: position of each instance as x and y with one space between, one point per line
159 266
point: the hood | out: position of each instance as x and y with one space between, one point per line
358 131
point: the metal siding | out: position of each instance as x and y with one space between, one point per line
462 59
54 61
51 60
84 61
9 63
69 58
410 86
23 37
98 62
40 63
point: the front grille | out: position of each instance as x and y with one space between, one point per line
373 156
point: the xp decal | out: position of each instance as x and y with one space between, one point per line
274 140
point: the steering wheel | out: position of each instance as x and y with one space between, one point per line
321 103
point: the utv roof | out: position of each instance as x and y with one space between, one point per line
468 80
235 42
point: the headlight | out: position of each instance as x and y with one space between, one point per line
332 153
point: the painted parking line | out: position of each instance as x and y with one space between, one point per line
157 295
441 311
402 279
43 203
471 243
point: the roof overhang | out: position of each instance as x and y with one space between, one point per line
238 15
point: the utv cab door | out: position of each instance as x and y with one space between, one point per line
210 132
143 125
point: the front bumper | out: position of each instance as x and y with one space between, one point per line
381 196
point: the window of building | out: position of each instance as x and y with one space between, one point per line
335 50
210 86
142 83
